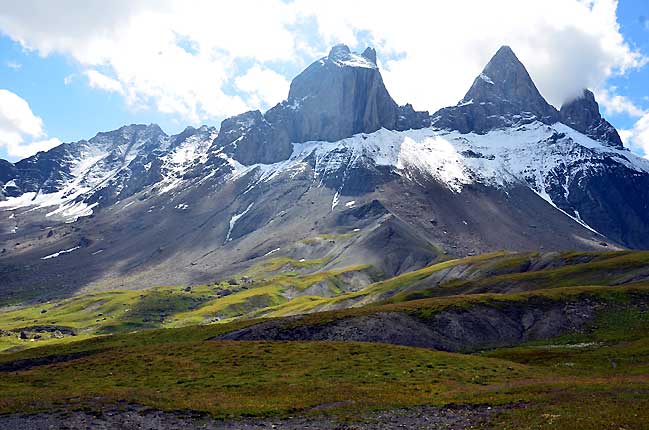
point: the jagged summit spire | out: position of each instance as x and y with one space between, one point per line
582 114
370 54
341 55
503 95
506 79
336 97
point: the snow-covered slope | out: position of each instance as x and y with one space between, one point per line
109 167
530 155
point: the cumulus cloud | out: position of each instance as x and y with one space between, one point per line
18 123
637 138
176 57
193 61
103 82
265 87
617 104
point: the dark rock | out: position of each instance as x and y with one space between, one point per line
503 95
596 192
336 97
251 139
583 115
468 329
410 119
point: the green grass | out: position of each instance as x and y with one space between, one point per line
549 384
254 378
281 286
500 275
123 311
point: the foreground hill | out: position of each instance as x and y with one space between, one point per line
191 376
284 288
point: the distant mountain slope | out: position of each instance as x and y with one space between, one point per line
387 186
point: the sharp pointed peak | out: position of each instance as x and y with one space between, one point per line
339 51
341 55
583 98
370 54
582 114
505 50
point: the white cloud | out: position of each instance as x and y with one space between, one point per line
103 82
24 150
186 60
264 86
617 104
637 139
176 57
14 65
18 122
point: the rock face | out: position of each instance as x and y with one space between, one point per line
596 193
336 97
503 95
472 329
583 115
250 139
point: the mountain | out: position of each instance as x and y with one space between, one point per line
503 95
337 176
583 115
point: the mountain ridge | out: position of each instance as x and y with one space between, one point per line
151 209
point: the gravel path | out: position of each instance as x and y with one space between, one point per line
131 417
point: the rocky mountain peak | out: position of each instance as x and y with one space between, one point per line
502 95
506 80
370 54
341 55
336 97
582 114
150 135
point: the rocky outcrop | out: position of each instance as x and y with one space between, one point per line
503 95
583 115
251 139
336 97
462 329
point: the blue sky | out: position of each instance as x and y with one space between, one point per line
97 67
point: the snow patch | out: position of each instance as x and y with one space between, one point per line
234 219
272 252
56 254
486 78
335 201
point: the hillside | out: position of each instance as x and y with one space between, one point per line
540 383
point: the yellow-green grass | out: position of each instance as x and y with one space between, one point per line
425 308
548 384
120 311
578 268
256 378
285 292
375 291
